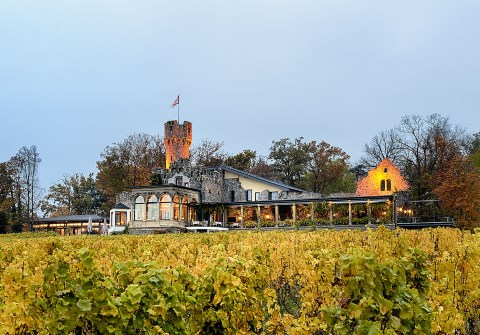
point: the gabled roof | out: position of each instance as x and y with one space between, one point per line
249 175
384 172
119 205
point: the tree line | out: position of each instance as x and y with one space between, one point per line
439 160
19 189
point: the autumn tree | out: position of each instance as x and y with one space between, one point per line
74 195
474 143
346 183
6 202
383 145
458 189
424 141
6 184
208 153
129 163
249 161
359 171
474 149
24 186
414 146
20 188
244 160
262 168
16 207
290 160
326 167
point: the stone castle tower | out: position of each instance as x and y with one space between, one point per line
177 139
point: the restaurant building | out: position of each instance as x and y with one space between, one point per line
189 197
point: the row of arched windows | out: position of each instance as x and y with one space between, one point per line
165 208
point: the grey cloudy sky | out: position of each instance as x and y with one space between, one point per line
79 75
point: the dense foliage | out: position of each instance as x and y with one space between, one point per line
318 282
128 163
73 195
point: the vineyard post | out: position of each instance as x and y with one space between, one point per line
312 212
369 212
294 214
276 215
349 212
258 216
394 209
241 216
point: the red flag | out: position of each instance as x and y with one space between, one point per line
176 102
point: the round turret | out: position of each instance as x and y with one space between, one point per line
177 139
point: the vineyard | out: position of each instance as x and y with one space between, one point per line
296 282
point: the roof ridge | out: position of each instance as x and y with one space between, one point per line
271 181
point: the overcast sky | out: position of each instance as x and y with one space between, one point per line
79 75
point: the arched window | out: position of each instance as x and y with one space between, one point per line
382 185
139 208
152 208
389 185
176 207
165 207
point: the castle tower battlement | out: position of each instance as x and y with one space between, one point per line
177 139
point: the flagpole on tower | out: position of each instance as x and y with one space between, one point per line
177 103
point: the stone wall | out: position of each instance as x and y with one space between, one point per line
212 191
235 186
